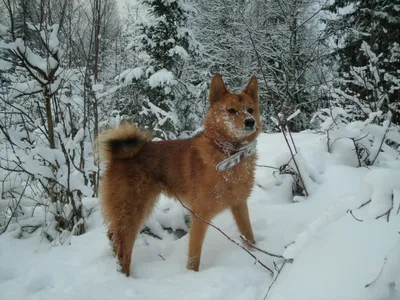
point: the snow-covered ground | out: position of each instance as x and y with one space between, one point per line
334 254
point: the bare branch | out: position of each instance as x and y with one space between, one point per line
387 213
273 101
382 141
224 234
261 250
275 278
16 206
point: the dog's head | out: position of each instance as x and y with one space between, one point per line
233 118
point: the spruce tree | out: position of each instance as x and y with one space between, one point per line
167 46
367 39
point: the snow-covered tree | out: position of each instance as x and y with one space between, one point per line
292 52
47 162
221 30
285 34
164 46
365 91
367 50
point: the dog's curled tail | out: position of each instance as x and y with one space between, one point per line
121 142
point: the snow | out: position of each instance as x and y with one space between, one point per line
29 87
35 60
161 114
5 65
294 115
162 78
3 29
180 51
98 87
50 38
335 253
381 183
128 75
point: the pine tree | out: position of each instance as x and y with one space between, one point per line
367 40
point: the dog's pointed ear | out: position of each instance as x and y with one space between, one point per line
217 89
251 88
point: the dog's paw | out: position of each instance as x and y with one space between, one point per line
119 267
248 244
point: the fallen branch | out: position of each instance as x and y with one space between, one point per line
224 234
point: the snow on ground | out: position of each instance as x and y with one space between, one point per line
335 255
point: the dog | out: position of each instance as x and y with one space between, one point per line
209 172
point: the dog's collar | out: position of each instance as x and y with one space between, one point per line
234 155
223 148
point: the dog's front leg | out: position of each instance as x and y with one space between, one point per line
241 215
198 230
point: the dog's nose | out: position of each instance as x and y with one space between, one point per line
249 123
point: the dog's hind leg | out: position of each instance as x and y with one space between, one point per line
126 239
128 226
241 215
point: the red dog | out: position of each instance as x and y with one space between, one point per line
210 172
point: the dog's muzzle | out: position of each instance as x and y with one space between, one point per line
249 123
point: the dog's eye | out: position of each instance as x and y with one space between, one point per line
232 111
250 110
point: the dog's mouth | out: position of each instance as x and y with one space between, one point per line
249 131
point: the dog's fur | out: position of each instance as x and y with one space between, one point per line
138 170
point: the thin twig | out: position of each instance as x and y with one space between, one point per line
161 256
382 141
265 166
258 249
224 234
275 279
291 138
365 203
356 150
273 101
261 186
387 213
34 228
15 209
398 209
351 213
291 243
